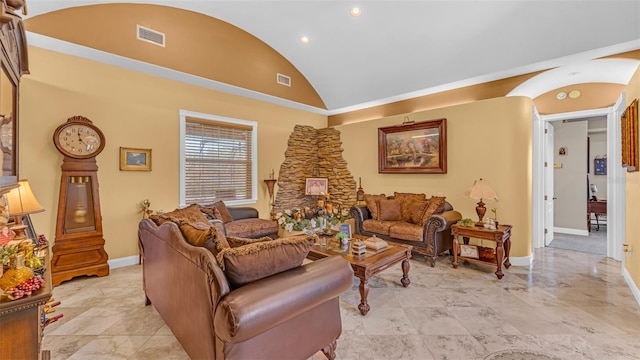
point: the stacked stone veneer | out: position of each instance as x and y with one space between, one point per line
314 153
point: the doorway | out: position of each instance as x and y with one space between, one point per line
575 145
615 175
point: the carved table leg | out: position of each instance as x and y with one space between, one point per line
330 350
405 273
499 259
455 252
507 249
364 292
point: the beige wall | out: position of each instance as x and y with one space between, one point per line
133 110
491 139
632 261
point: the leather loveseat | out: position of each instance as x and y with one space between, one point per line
240 221
290 315
408 219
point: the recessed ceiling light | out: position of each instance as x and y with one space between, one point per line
304 40
561 95
574 94
355 11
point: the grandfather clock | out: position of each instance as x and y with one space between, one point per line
79 245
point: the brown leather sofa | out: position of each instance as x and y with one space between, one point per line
248 224
290 315
428 240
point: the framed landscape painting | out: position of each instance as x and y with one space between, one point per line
135 159
414 148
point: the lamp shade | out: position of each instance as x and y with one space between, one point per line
481 190
21 201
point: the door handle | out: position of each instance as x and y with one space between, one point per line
553 198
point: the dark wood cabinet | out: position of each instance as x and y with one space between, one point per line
20 320
21 323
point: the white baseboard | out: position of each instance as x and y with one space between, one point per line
521 260
632 285
571 231
122 262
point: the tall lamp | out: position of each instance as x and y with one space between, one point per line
21 202
478 191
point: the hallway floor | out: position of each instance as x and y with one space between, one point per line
595 243
566 305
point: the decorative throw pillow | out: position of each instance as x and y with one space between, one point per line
416 210
409 197
238 241
205 235
211 211
389 210
436 205
405 200
224 212
371 204
248 263
190 213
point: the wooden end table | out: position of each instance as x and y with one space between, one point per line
364 267
502 237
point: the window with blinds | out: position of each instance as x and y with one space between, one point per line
218 161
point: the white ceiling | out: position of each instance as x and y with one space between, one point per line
401 49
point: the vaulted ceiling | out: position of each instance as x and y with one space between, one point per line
392 51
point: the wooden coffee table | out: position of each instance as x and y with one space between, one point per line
364 267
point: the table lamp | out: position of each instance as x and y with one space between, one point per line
594 191
478 191
21 202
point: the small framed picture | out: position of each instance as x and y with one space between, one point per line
600 166
346 228
470 251
135 159
316 186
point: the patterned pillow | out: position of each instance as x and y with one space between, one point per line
205 235
190 213
211 211
238 241
371 204
416 210
405 202
217 210
389 210
436 206
247 263
409 196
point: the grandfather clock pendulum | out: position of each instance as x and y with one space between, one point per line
79 243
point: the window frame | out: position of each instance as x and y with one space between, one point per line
184 114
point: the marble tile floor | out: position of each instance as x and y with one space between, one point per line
567 305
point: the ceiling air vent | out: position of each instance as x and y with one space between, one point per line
152 36
283 80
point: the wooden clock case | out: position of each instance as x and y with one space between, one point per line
79 242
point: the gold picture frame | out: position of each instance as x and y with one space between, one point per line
629 137
132 159
413 148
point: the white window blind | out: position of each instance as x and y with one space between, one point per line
218 161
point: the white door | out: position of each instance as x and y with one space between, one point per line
548 182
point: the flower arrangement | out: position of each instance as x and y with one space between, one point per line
292 220
301 218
